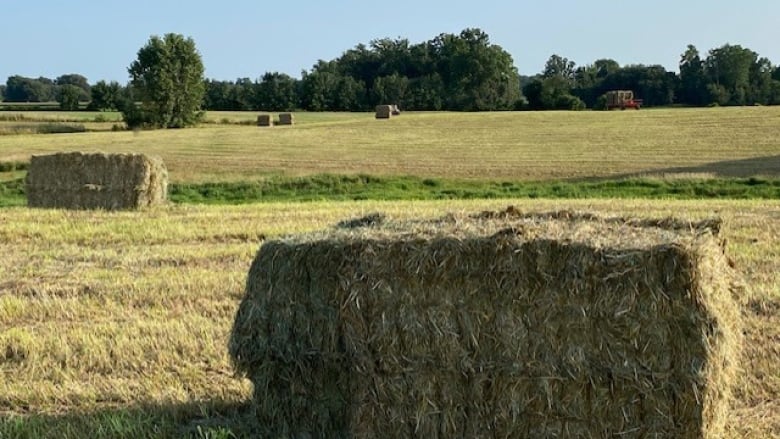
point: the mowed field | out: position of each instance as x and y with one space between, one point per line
720 142
116 324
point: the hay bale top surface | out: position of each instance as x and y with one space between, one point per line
592 230
64 157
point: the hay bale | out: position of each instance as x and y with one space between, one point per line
384 111
507 325
286 119
265 120
76 180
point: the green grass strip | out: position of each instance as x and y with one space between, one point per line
366 187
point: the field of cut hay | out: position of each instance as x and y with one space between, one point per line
703 143
117 324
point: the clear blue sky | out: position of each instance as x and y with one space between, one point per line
245 38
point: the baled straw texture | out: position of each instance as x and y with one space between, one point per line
286 119
500 325
264 120
384 111
76 180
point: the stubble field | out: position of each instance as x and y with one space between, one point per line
116 324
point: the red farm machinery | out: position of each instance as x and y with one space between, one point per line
622 99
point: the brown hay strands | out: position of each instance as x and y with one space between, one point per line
76 180
501 325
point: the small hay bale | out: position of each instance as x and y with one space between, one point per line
503 325
384 111
265 120
286 119
76 180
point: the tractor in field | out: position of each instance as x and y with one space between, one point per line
622 99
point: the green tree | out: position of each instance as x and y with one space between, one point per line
78 81
760 91
241 96
533 93
319 90
277 92
390 89
728 69
68 97
477 75
589 80
350 95
425 93
693 80
105 96
557 66
2 92
22 89
168 80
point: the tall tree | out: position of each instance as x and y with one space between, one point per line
168 79
693 81
728 68
477 75
560 67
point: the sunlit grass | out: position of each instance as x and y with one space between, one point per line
723 142
116 324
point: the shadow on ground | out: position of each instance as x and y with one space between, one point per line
204 419
753 167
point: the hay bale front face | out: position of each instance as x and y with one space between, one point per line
490 327
78 180
286 119
264 120
384 111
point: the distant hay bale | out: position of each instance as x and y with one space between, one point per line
264 120
502 325
286 119
384 111
76 180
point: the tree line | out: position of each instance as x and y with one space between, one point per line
456 72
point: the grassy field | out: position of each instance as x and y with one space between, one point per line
531 146
116 324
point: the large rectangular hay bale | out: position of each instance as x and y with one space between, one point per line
76 180
286 119
384 111
265 120
491 326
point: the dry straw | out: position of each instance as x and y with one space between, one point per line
264 120
76 180
495 325
286 119
384 111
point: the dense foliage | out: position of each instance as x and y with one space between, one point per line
167 79
463 72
